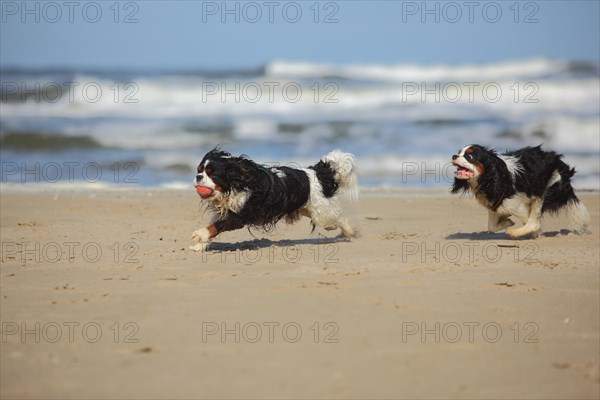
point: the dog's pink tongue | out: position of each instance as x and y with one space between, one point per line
204 192
464 173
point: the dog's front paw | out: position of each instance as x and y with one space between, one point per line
523 231
199 247
201 235
515 233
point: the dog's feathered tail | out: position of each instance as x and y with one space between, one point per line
561 195
346 173
578 216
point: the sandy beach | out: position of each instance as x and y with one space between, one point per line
102 298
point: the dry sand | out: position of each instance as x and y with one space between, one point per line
423 305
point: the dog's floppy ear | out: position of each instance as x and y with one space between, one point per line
239 174
495 183
459 185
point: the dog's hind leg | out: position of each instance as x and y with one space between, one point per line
533 225
347 230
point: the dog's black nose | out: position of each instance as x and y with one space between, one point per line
454 157
199 177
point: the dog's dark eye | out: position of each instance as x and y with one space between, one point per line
468 157
209 171
200 169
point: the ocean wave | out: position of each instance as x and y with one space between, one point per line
166 99
513 70
539 68
177 117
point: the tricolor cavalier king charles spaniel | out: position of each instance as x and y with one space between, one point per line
240 192
524 183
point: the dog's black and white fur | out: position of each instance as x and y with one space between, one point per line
243 193
524 183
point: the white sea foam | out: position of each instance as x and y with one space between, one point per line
512 70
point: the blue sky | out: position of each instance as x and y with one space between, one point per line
191 34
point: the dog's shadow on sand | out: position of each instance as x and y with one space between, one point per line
258 244
485 235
